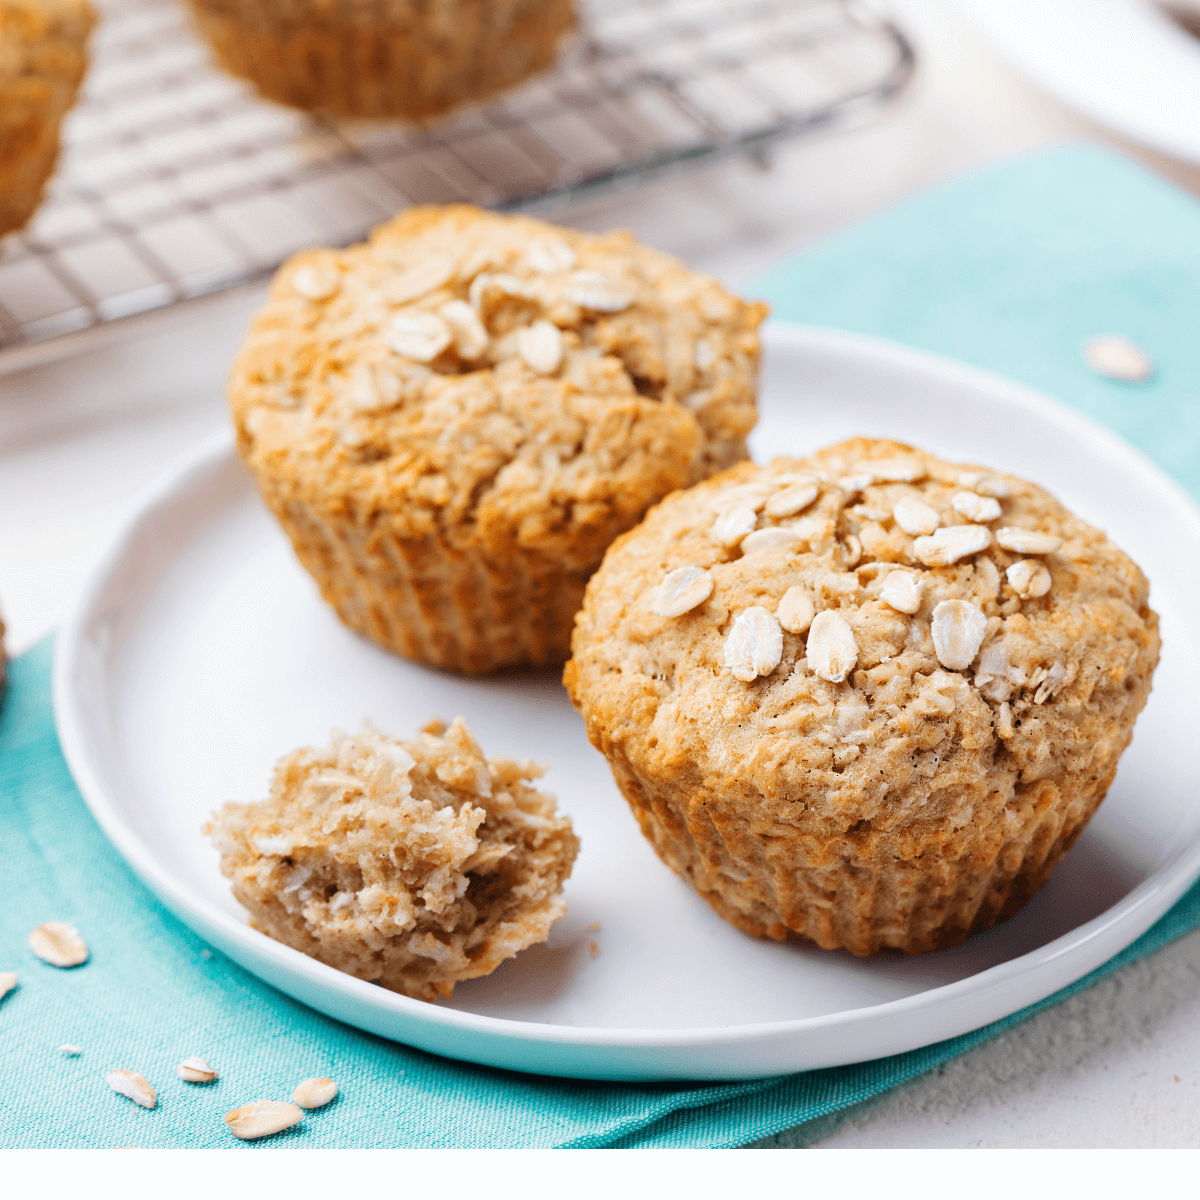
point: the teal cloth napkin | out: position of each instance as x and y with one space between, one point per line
1011 269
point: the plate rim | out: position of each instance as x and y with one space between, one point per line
1022 33
1065 959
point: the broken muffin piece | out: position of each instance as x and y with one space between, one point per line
410 864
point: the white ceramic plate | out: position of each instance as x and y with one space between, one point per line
1125 64
200 652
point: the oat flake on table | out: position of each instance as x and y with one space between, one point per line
59 944
133 1085
314 1093
262 1118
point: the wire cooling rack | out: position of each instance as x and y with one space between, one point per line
176 181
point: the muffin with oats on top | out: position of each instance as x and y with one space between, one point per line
867 698
453 421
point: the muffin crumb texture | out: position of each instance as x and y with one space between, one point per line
453 421
410 864
867 698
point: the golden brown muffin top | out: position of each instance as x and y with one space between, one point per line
463 368
861 638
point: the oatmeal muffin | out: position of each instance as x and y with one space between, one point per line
866 698
410 864
384 58
42 59
453 421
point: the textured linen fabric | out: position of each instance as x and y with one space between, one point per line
1010 269
1013 269
148 998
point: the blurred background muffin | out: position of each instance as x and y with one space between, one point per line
384 58
454 420
42 60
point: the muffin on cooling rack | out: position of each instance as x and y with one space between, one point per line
867 698
454 420
42 60
410 864
384 58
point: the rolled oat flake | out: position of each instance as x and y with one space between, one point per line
134 1085
754 645
1117 357
681 590
262 1118
958 629
314 1093
195 1070
832 650
59 944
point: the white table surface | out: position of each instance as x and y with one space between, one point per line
1117 1066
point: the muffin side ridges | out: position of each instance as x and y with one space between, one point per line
393 59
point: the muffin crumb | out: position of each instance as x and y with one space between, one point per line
410 864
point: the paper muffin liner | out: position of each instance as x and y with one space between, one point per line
427 600
47 43
828 891
384 58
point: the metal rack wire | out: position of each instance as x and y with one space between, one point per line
175 180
